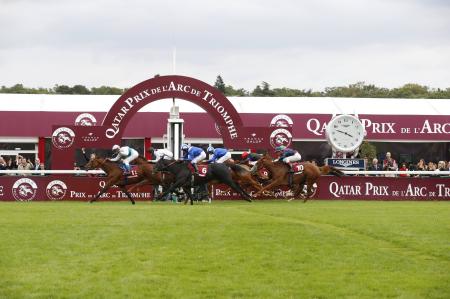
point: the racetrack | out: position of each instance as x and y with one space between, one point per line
268 249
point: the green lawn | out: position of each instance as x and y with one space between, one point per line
270 249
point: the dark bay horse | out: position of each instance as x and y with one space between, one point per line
217 173
281 177
115 176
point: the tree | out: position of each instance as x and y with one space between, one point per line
410 90
104 90
219 84
80 89
63 89
230 91
263 91
367 151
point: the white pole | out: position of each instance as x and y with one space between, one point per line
174 66
176 138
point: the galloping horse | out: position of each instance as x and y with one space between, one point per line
243 176
219 173
280 175
115 176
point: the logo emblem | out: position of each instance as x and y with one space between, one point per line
85 119
56 190
280 137
90 137
253 139
281 121
63 137
24 189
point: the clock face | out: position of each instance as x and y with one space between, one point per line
345 133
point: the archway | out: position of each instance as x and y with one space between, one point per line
67 138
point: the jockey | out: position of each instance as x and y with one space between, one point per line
287 155
220 155
158 154
126 154
252 158
193 154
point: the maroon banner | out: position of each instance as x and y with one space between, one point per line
39 188
303 126
360 188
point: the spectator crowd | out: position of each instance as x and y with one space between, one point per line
20 163
390 164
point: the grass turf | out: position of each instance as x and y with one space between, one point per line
270 249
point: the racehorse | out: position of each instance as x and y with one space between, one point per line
115 176
217 173
243 176
280 175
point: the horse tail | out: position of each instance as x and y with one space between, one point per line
324 170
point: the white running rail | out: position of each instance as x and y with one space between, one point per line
85 172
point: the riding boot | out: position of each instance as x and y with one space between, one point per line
195 168
290 167
127 169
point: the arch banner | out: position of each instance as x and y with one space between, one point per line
66 138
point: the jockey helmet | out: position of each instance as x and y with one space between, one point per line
184 147
210 149
115 148
280 148
244 155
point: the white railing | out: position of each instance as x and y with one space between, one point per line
42 172
85 172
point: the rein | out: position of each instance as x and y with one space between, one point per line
167 166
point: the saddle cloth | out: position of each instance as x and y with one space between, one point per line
297 167
202 169
133 173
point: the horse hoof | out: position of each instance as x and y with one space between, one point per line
133 203
249 199
290 199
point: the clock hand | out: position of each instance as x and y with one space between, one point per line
348 134
344 133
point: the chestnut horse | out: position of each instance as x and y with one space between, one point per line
241 174
281 177
115 175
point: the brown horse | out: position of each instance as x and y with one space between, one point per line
242 175
280 175
115 176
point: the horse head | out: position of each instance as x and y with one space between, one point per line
161 165
95 163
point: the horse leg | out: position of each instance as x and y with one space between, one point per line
141 183
178 183
253 183
274 183
309 192
108 185
122 187
187 190
238 189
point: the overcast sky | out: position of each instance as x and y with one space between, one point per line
298 44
